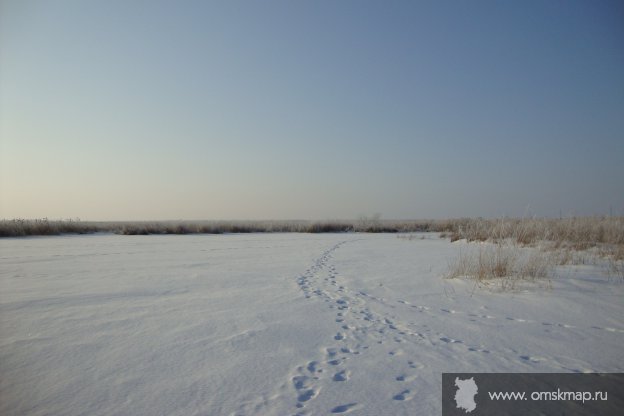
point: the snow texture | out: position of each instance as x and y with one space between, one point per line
276 324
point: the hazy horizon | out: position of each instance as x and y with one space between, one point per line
125 110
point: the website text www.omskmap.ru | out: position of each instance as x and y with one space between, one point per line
558 395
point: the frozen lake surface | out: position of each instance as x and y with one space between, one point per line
276 324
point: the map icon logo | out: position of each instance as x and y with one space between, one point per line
464 396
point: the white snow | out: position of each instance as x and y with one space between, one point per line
276 324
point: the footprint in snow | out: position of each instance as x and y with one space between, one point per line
344 408
509 318
405 377
334 362
412 364
607 329
404 395
301 382
306 395
341 375
313 367
478 349
451 340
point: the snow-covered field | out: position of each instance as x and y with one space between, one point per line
276 324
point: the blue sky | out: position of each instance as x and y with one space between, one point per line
133 110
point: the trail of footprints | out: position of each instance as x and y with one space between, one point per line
474 317
357 329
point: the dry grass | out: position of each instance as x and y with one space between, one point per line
21 227
504 263
528 249
25 227
578 232
616 261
